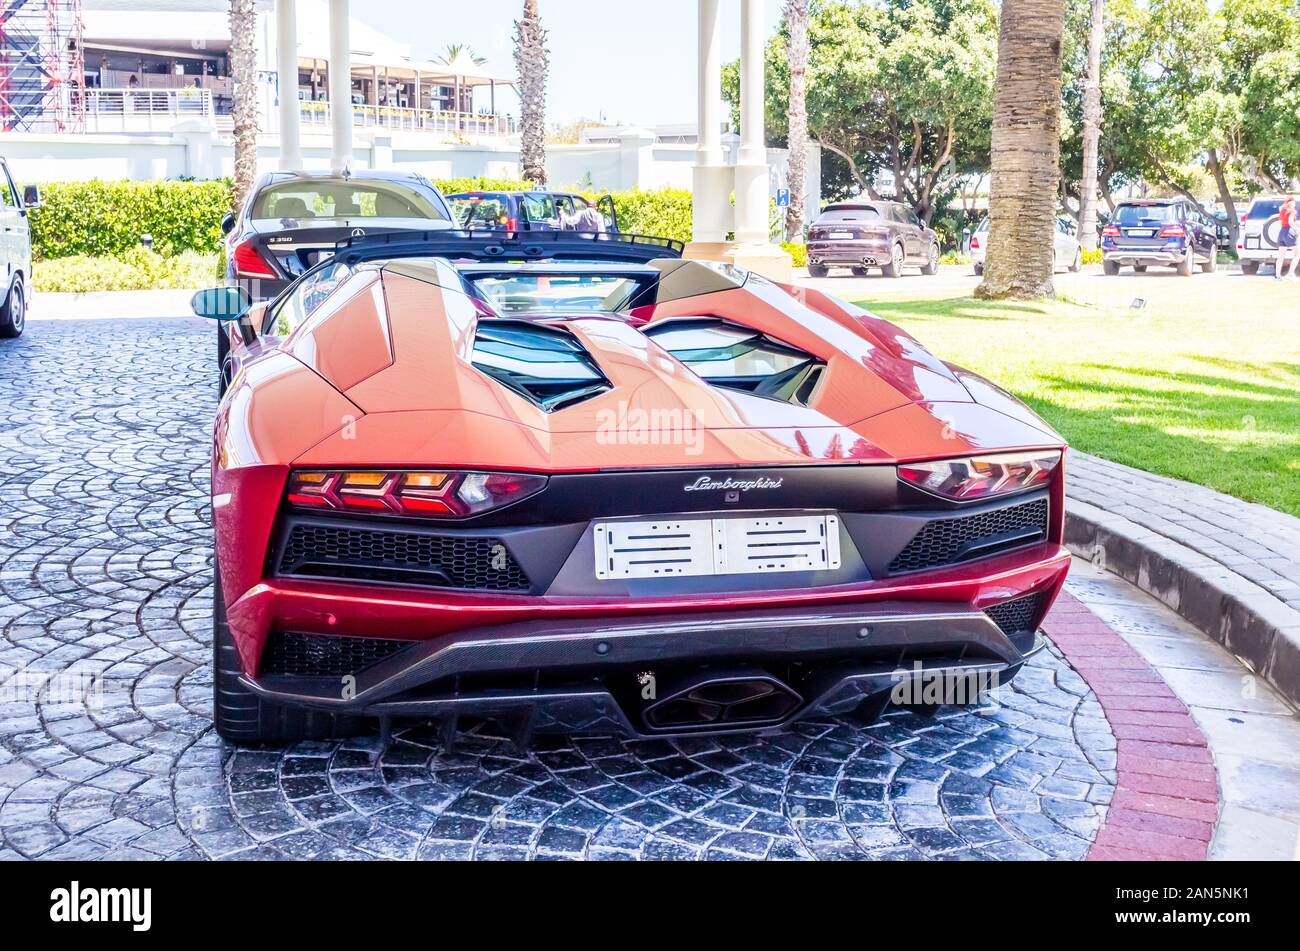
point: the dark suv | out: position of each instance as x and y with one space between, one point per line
1170 232
526 210
864 234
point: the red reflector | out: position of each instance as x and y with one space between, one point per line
316 501
427 505
250 263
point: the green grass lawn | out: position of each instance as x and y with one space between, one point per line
1202 384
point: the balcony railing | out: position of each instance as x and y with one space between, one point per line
317 114
144 110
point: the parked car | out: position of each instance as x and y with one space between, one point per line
535 210
15 251
1066 251
430 500
293 220
866 234
1257 238
1168 232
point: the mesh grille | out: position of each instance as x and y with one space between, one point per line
945 541
444 561
315 655
1018 616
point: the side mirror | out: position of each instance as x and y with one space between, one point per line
31 196
222 303
228 223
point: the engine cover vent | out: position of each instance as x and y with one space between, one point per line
546 366
740 358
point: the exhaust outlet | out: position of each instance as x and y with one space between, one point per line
717 700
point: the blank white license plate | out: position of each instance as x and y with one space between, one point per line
1141 232
840 234
1252 242
665 548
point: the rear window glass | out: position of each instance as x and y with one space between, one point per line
850 214
1138 214
341 198
555 293
481 210
1264 208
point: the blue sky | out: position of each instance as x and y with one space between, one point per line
626 60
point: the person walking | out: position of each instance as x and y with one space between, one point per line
1286 239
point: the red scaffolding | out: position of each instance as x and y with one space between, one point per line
42 67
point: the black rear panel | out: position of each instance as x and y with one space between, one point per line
481 563
949 540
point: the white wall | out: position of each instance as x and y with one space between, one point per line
634 162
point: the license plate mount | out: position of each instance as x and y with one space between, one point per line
660 548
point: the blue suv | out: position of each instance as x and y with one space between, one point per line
1169 232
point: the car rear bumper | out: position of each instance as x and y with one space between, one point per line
1145 255
572 667
849 252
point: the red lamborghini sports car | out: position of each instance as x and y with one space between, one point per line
575 482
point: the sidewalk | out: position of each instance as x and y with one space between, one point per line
1230 567
110 305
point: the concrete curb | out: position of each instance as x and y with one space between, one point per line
1246 619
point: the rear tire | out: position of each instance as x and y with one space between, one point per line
817 270
240 716
979 270
1250 267
931 265
895 266
1188 264
1211 264
13 314
1110 267
860 271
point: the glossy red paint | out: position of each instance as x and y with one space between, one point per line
381 376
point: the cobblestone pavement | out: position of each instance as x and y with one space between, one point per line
105 573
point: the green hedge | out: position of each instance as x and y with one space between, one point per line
136 269
102 219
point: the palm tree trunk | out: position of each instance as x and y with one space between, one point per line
530 59
796 20
243 110
1026 151
1091 129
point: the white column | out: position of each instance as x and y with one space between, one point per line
711 178
286 64
340 85
708 149
751 169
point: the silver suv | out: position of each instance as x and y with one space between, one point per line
15 251
1257 238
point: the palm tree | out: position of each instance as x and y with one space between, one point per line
1026 151
243 110
796 47
530 59
455 51
1091 129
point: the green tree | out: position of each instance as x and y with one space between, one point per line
897 87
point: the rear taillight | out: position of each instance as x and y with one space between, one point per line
975 242
982 477
1110 231
512 224
1173 231
249 262
419 493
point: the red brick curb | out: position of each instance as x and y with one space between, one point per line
1167 795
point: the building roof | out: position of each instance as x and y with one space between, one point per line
196 26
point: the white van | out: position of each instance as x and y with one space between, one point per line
15 251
